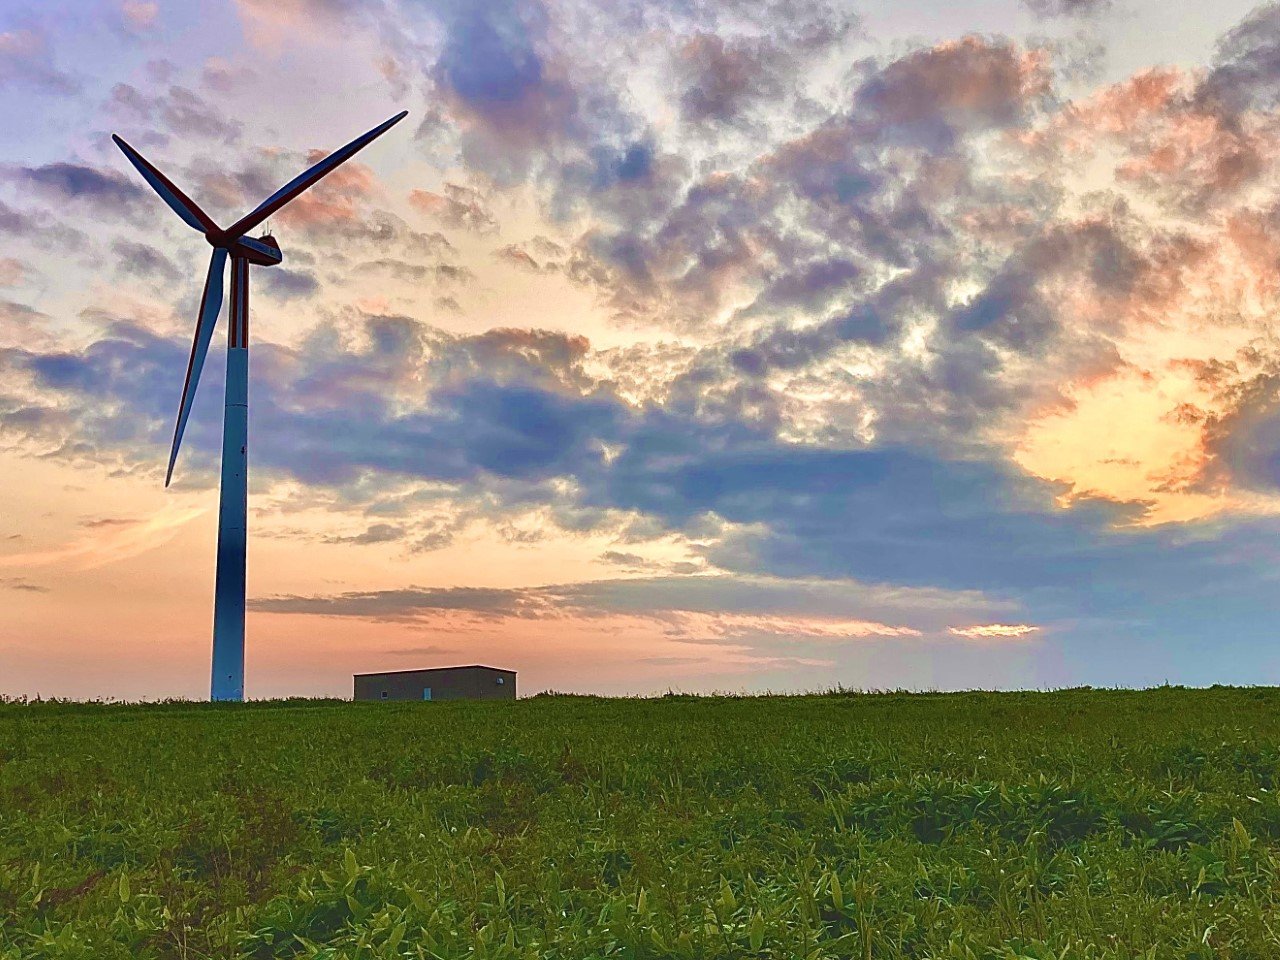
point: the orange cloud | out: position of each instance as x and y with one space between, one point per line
1184 333
1119 108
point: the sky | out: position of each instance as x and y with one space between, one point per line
693 345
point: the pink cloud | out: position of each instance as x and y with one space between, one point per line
11 271
334 200
270 22
140 15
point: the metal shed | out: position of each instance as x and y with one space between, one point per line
474 682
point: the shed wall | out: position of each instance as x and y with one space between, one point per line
447 684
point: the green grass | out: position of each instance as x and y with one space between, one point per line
1079 824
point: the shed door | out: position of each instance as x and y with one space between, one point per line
426 693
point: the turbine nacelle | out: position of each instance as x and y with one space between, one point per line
260 251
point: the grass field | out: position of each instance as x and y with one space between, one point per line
1079 824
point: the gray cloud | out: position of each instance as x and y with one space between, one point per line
1246 71
724 77
657 596
1244 442
376 533
285 284
108 191
173 111
22 585
428 651
1067 8
395 605
143 260
14 222
934 96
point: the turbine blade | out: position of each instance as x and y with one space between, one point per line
309 177
210 305
178 201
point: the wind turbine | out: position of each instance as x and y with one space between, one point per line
229 591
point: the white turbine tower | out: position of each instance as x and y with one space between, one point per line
229 590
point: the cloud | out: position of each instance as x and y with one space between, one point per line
25 586
510 413
737 626
518 106
490 63
395 605
272 22
15 221
376 533
430 650
26 62
632 561
12 271
674 661
109 544
723 77
816 220
139 16
1067 8
285 284
335 200
458 207
143 260
224 76
176 111
97 522
20 314
1243 442
994 631
107 191
932 97
518 257
39 228
400 269
505 404
1246 71
747 611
